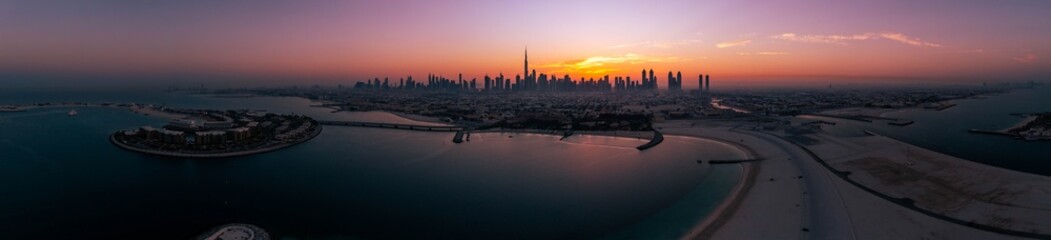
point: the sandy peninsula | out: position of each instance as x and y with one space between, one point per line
794 196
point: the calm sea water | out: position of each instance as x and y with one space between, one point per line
62 179
946 131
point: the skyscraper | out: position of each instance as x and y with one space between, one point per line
707 83
678 81
671 81
525 67
700 83
653 80
645 80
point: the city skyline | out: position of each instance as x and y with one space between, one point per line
820 42
529 80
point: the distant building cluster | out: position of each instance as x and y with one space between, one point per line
529 80
203 136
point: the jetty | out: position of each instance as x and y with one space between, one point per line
657 139
459 137
566 134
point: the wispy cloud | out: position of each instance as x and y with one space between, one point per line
908 40
738 43
658 44
844 39
762 53
604 64
1028 58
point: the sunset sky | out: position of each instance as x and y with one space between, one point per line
952 41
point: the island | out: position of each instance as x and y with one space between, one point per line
214 133
239 231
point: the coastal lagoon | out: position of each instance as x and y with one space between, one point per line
60 172
946 131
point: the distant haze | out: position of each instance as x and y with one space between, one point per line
338 42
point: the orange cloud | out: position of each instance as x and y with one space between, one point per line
599 65
738 43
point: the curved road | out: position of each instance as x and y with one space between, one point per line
826 216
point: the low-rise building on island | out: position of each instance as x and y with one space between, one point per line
210 133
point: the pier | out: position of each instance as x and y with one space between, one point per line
657 139
395 126
566 134
459 137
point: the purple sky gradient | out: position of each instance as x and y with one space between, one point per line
742 40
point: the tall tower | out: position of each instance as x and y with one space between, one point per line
700 83
707 83
653 80
645 82
525 68
671 81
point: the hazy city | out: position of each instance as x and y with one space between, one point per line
525 120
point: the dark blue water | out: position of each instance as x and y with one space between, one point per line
61 179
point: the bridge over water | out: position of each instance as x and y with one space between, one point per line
395 126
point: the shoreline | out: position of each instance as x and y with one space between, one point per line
728 206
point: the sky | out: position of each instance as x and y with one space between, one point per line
295 42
